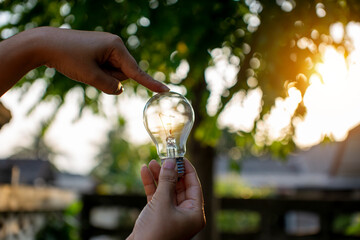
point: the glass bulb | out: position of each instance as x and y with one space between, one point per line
168 118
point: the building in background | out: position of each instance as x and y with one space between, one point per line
330 167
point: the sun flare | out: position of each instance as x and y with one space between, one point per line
332 99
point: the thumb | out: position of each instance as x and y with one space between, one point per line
104 81
167 180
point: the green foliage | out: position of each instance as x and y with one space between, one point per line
354 228
62 225
119 163
230 221
160 34
207 132
281 150
232 185
348 224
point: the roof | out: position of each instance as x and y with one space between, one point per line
330 166
31 170
346 162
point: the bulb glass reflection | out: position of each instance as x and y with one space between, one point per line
168 118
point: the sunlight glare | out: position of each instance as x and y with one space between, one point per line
337 32
332 99
275 124
220 77
241 111
332 60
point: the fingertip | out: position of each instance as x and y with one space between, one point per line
157 86
128 66
153 161
164 88
147 81
146 175
169 163
143 170
154 165
167 171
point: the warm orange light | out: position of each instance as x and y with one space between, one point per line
333 69
331 100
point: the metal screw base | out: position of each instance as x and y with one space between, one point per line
179 165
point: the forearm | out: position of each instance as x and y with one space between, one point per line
19 54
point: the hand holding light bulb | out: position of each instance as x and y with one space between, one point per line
168 118
175 208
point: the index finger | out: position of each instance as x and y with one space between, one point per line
131 69
148 182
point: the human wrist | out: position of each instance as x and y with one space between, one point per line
39 40
19 54
31 43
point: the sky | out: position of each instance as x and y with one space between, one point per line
76 141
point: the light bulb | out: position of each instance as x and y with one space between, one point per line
168 118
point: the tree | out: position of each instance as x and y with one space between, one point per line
39 149
163 34
119 163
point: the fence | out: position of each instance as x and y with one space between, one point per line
90 202
273 214
24 209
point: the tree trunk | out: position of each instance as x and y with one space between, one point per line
202 155
202 158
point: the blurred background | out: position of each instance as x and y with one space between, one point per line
275 86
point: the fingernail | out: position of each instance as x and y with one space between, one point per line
164 88
119 89
169 163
